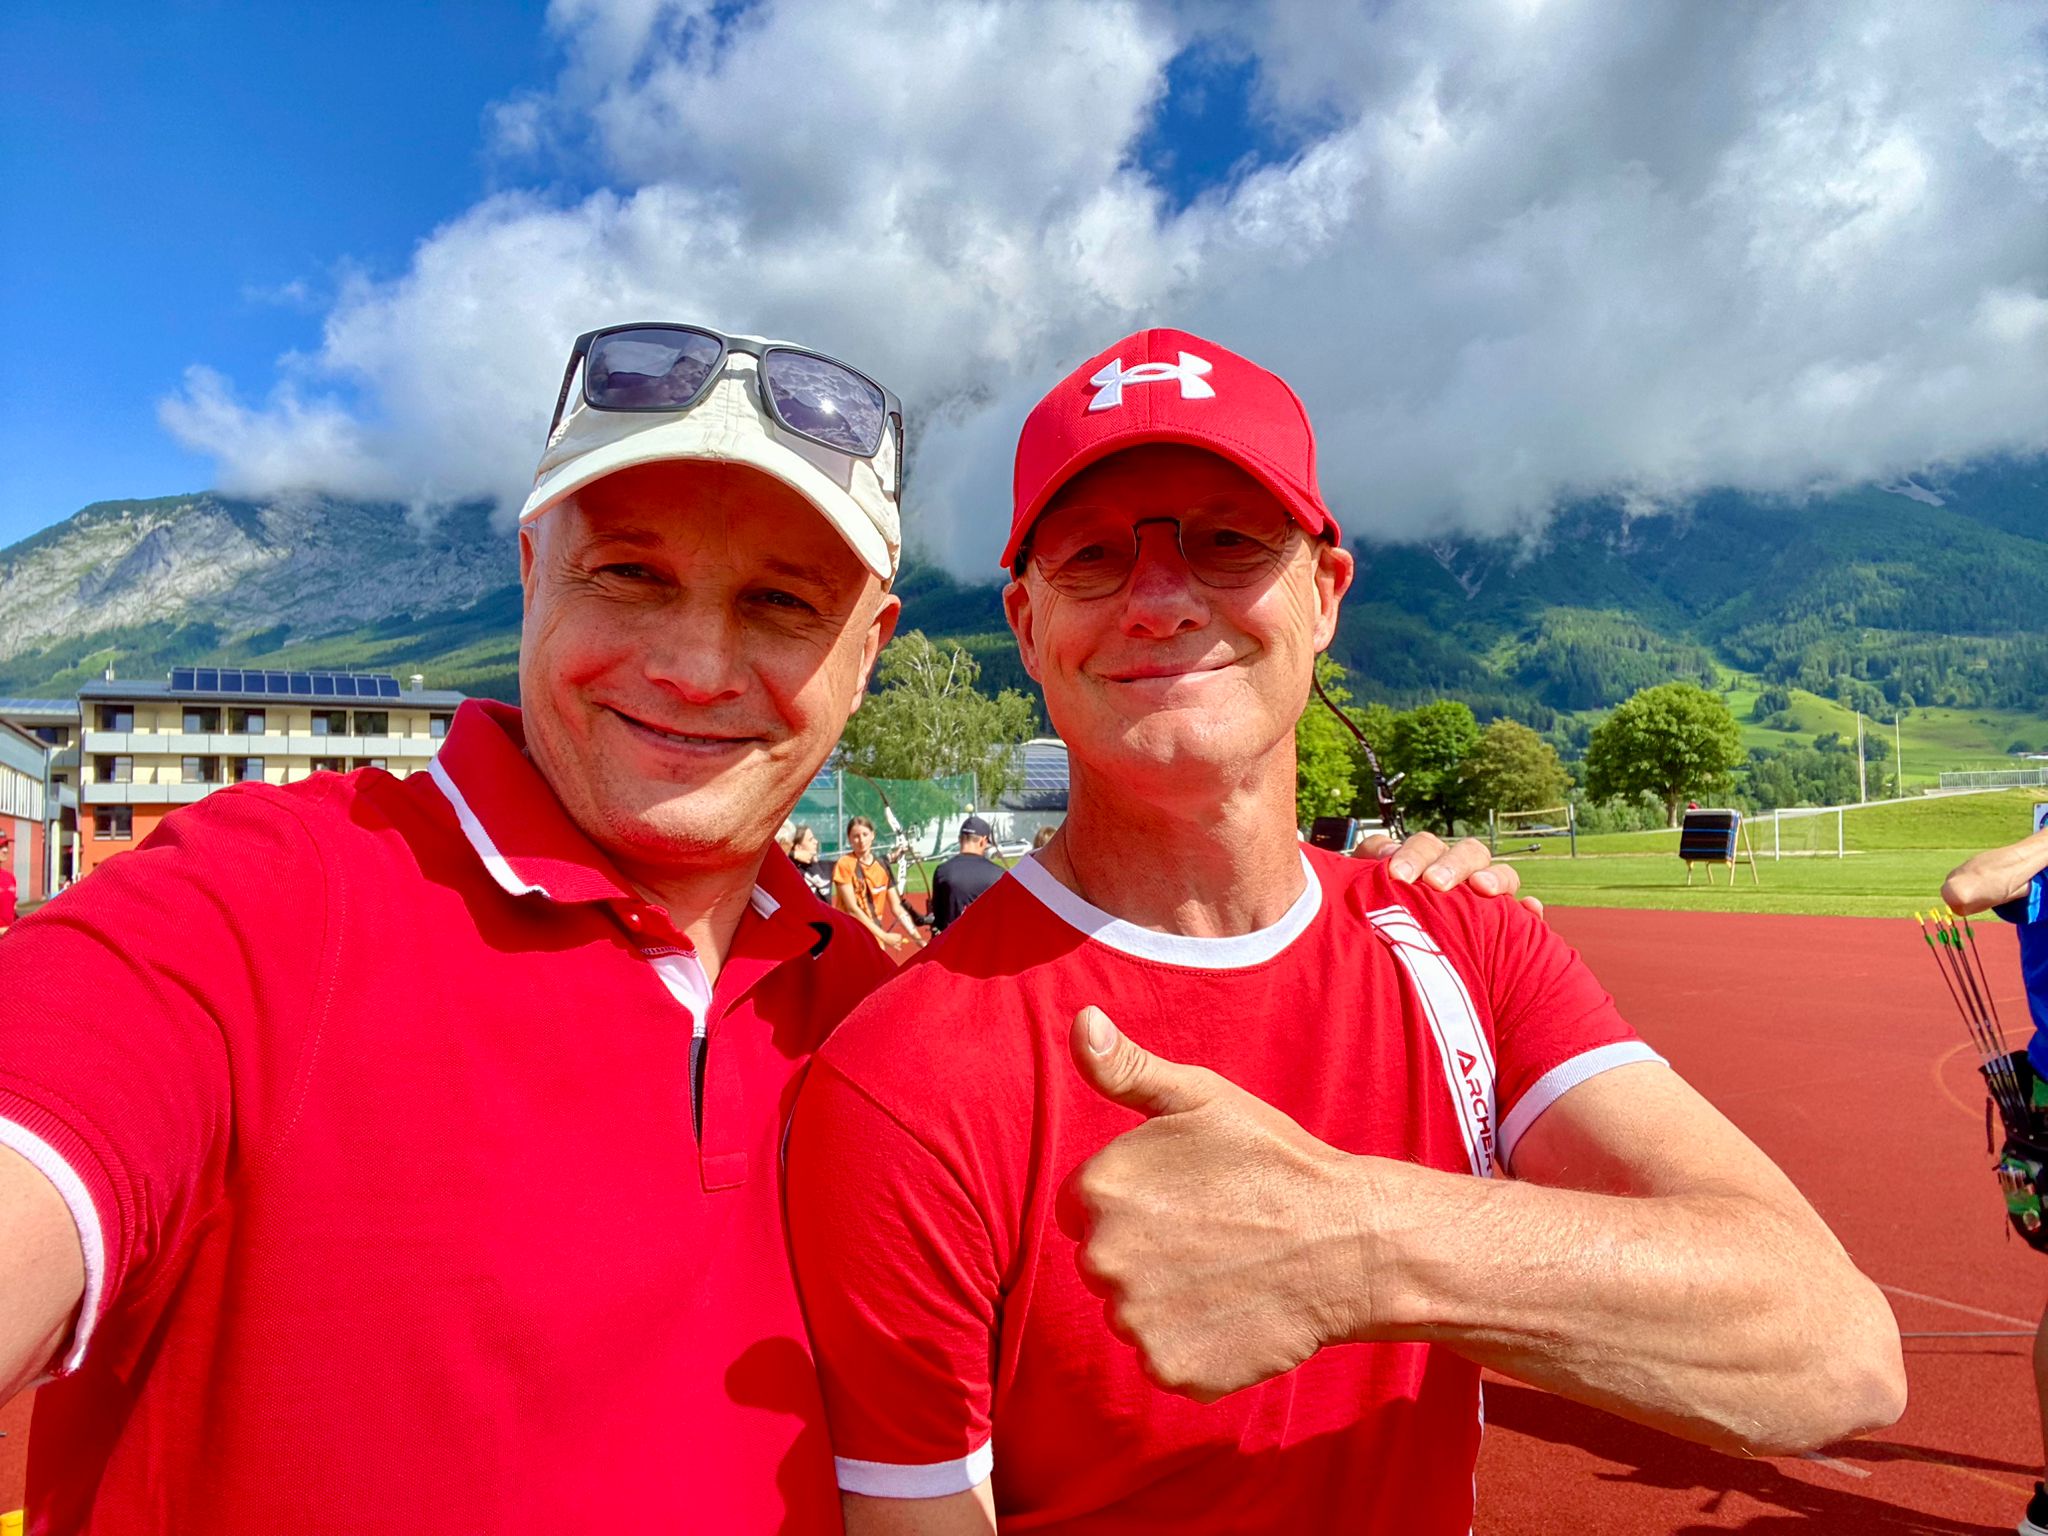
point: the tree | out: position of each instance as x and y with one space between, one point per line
927 720
1429 746
1511 768
1330 773
1675 741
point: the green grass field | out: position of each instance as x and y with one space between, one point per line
1897 857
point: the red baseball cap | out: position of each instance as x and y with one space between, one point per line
1165 386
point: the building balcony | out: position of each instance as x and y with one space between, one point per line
145 794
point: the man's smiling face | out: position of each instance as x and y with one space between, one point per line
695 636
1167 682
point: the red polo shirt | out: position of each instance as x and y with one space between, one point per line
423 1183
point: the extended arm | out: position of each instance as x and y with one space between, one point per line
1649 1259
42 1273
1994 878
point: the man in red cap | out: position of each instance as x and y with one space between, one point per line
1176 573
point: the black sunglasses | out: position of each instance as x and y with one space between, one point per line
654 366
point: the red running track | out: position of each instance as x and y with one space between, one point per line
1832 1043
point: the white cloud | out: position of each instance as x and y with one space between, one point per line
1524 252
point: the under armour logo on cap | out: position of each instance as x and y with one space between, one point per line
1111 378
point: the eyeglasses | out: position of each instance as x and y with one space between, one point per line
658 367
1086 552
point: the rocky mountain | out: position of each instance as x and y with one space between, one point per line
1927 591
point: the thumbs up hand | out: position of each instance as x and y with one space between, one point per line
1227 1243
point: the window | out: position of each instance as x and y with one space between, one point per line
437 725
53 735
371 762
201 722
373 722
247 722
117 717
113 770
330 722
199 770
327 765
111 822
247 770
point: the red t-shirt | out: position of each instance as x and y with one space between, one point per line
373 1101
937 1125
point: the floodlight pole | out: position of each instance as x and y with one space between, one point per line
1862 784
1571 823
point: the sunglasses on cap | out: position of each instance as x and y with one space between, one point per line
1087 552
659 367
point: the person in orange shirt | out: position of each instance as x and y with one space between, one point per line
862 885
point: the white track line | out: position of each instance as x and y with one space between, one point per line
1833 1465
1942 1301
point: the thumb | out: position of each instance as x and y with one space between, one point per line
1124 1072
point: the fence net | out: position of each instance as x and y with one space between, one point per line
926 808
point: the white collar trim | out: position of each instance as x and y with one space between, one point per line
1227 954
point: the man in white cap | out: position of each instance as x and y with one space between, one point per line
407 1152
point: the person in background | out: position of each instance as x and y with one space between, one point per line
785 836
804 854
1043 836
2013 882
863 886
9 895
964 876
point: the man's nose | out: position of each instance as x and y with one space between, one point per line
694 649
1163 597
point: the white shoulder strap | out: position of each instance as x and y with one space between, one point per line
1462 1046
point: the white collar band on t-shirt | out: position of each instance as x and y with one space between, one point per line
1227 954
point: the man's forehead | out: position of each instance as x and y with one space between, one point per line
732 508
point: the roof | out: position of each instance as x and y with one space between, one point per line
56 711
22 752
252 684
1045 777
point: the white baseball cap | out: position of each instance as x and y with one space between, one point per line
858 496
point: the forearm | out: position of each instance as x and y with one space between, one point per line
1995 877
1714 1316
972 1513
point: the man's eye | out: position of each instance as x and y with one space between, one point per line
775 597
626 570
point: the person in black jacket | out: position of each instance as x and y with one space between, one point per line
964 876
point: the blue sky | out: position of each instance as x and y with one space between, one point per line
168 170
1510 253
187 181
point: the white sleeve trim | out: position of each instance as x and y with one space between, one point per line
889 1480
1560 1080
46 1160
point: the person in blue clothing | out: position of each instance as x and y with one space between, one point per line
2013 882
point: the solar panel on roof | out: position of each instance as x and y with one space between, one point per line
387 687
181 677
323 687
301 684
230 679
207 679
345 686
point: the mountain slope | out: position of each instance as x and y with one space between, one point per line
1931 592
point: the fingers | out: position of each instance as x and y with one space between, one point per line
1534 904
1374 845
1124 1072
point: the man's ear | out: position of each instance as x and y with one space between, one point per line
1335 568
529 553
1017 609
881 630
